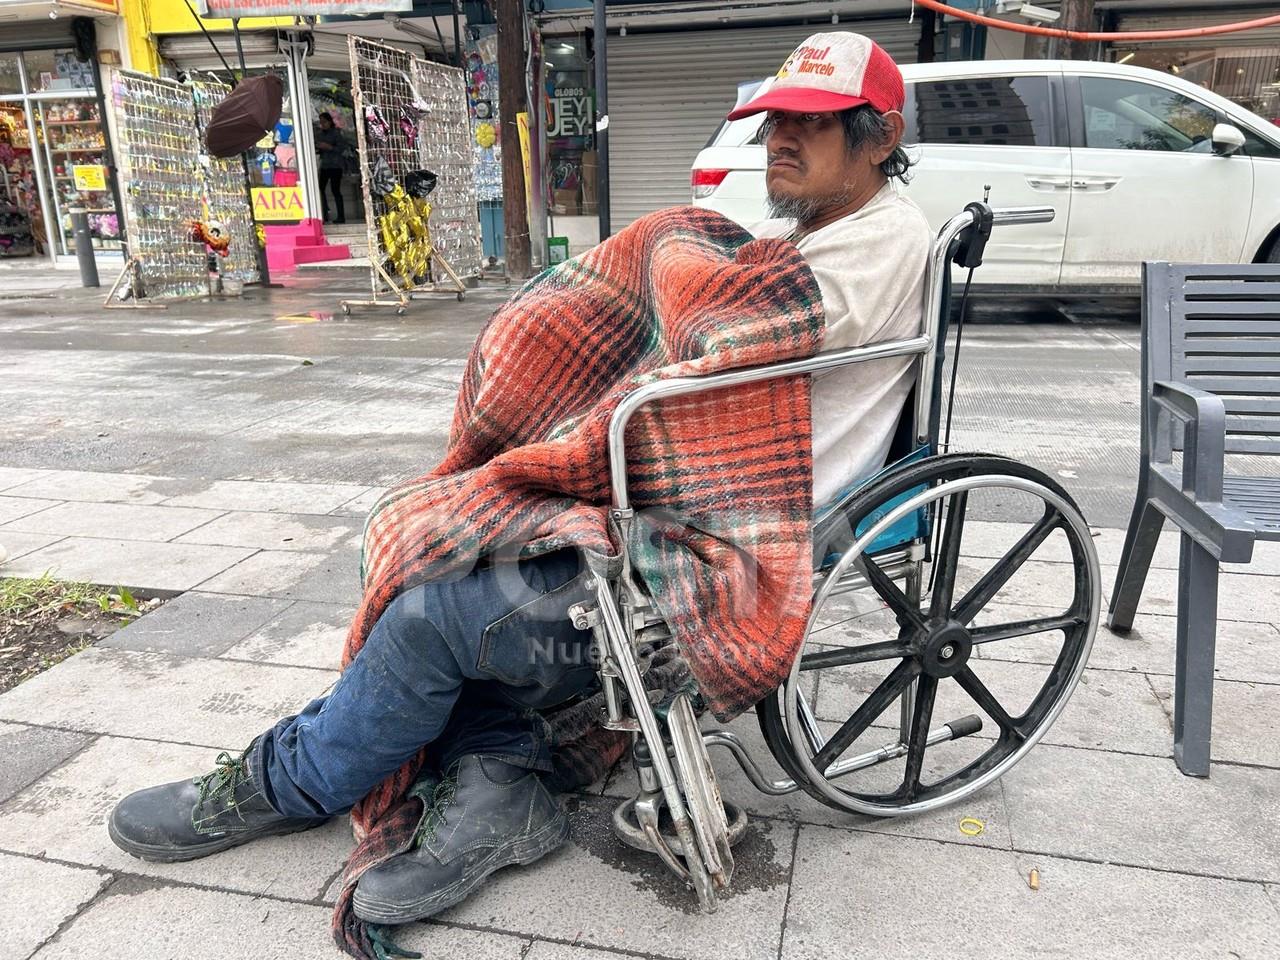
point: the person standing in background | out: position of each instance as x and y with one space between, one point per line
330 148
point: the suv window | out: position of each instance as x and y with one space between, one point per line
1010 111
1130 115
1255 146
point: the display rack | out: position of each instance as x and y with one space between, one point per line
16 238
400 110
159 159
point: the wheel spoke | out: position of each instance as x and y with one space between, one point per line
1023 628
908 613
948 557
844 656
993 580
921 717
883 695
983 697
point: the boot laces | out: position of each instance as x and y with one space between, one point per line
219 787
435 816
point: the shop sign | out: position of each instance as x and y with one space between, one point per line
278 204
89 177
570 113
298 8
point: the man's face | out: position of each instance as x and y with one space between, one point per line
325 123
811 169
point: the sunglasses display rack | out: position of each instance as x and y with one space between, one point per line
444 134
400 129
225 191
158 155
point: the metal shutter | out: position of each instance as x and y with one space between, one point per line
193 51
668 93
1261 37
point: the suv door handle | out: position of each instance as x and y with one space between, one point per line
1049 183
1095 183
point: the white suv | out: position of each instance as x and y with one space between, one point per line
1139 165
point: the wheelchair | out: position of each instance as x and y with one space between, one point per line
892 602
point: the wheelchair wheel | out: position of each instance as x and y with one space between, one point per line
1005 630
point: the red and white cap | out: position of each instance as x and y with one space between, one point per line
832 72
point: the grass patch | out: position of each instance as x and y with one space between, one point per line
43 621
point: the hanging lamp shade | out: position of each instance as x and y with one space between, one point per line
245 116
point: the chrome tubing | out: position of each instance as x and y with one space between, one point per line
935 274
678 386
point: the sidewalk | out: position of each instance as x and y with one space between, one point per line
249 506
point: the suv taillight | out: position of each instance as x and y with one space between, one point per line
705 182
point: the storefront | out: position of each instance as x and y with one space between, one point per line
668 93
55 150
1244 66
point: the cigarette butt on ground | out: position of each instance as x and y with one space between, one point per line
1033 879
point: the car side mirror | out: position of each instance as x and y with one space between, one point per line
1227 139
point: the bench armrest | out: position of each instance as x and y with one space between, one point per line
678 386
1204 418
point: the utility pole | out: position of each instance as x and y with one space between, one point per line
1076 15
511 101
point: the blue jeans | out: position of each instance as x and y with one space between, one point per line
461 665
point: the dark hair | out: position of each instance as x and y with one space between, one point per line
325 115
863 125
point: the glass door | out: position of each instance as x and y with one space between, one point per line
73 147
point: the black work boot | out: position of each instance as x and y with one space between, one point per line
487 814
189 819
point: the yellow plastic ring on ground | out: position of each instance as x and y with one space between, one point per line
972 827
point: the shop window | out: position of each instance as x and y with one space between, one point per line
10 75
1129 115
1000 111
570 128
49 70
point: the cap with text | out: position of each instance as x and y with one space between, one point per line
830 72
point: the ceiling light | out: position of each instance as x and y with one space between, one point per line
1128 56
1174 68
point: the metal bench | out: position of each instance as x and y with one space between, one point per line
1211 362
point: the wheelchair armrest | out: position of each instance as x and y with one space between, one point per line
703 383
1204 418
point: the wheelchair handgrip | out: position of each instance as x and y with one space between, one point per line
1003 216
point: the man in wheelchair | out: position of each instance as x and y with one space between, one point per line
448 672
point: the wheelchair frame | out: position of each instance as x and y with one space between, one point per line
675 771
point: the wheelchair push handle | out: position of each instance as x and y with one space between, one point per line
1006 216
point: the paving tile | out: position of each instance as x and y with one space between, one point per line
308 634
275 531
31 752
990 539
95 487
38 898
291 574
197 624
361 505
906 891
546 950
1245 719
129 563
64 817
986 806
280 496
122 692
12 508
214 925
1108 709
19 544
627 900
129 521
1142 811
1240 596
1245 650
13 476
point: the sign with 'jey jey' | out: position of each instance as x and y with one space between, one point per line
225 9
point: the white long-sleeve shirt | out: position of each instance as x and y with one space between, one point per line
870 267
